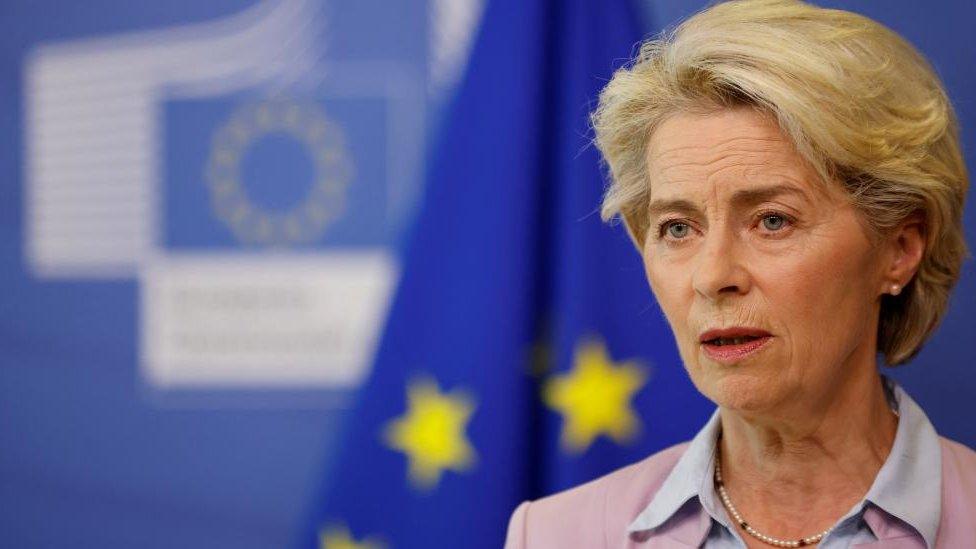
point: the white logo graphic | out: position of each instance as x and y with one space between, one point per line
254 317
93 126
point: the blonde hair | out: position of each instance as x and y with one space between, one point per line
858 102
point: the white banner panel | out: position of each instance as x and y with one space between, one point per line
263 320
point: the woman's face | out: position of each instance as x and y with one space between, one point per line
742 237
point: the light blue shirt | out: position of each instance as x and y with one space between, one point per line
908 487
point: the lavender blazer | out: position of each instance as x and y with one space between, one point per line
597 514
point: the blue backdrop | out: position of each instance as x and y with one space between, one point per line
94 449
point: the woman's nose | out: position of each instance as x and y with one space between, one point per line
718 270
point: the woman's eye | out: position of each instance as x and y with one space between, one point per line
678 230
773 222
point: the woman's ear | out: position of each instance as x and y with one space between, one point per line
906 245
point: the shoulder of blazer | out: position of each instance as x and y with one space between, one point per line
956 527
595 514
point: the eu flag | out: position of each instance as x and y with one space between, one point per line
524 353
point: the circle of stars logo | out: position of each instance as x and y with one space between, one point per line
322 139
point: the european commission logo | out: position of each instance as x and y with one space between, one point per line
250 184
321 160
275 174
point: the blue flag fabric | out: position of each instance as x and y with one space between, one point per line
524 353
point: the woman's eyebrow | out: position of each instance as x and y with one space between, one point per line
740 199
749 197
685 207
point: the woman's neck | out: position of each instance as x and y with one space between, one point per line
797 474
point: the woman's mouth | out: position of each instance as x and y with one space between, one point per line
735 345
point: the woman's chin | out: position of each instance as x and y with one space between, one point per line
745 390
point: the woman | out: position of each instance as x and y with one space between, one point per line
793 180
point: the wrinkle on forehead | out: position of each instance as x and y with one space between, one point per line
685 149
742 144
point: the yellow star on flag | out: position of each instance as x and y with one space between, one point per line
432 433
338 537
594 398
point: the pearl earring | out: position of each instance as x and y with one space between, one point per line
895 289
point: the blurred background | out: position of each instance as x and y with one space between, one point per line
205 212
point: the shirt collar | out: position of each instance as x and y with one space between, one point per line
687 479
908 486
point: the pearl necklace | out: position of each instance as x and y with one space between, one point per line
812 540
